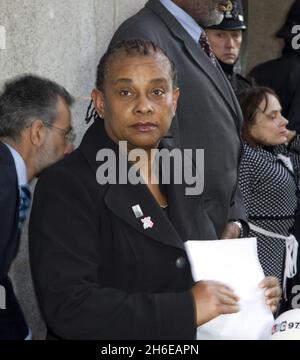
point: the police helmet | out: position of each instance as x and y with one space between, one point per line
233 17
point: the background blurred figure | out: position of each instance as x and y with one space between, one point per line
283 74
226 40
269 180
35 131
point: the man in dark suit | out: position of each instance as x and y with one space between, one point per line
34 133
208 114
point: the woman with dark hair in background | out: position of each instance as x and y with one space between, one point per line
269 180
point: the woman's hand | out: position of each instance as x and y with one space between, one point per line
272 293
212 299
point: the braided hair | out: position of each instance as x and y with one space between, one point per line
131 47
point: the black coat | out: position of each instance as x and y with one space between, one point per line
208 114
283 76
12 323
237 81
98 273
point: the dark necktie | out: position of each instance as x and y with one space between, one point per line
205 46
25 200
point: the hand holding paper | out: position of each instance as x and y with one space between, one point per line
213 299
234 263
273 292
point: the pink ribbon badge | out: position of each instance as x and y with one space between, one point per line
147 223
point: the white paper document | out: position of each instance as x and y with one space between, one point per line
235 263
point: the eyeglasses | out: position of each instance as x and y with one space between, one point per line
69 134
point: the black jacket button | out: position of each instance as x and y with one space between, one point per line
181 262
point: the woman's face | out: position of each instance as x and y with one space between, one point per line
139 100
269 127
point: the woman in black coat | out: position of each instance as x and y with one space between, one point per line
108 257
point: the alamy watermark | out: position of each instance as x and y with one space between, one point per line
2 298
169 166
296 39
296 298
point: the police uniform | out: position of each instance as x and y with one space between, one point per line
237 81
233 20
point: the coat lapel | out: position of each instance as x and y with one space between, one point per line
7 165
238 112
121 198
7 161
215 74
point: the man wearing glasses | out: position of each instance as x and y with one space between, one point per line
35 132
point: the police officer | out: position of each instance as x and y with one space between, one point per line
283 74
226 40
